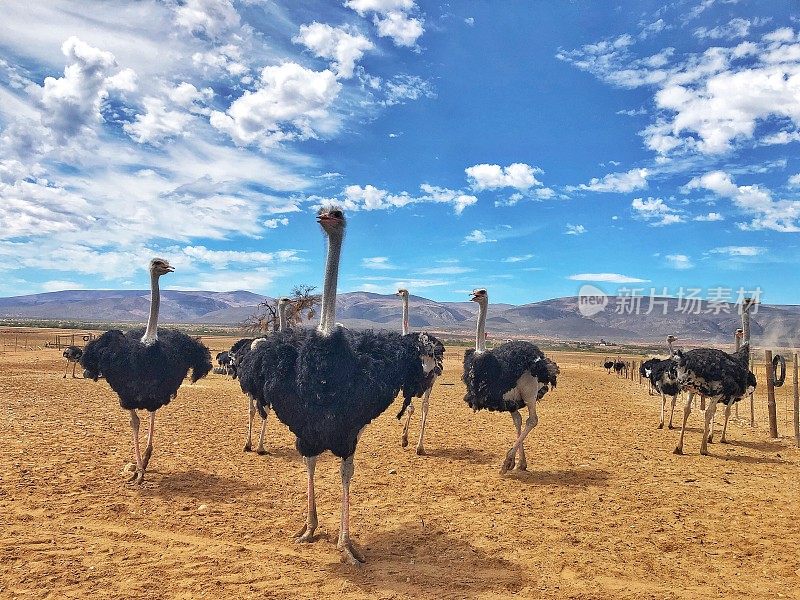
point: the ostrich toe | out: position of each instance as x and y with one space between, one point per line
305 535
350 555
421 451
261 451
247 447
508 463
404 440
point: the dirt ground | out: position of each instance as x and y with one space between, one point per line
606 509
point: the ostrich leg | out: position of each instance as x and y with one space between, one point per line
722 439
424 420
711 408
148 451
260 449
663 409
65 370
672 410
349 553
306 534
687 409
137 475
252 408
74 365
404 437
522 463
530 423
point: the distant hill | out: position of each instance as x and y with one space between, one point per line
556 319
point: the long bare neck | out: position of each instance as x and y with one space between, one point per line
671 349
480 334
281 317
737 343
746 322
405 315
327 317
150 333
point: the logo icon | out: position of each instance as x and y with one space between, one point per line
591 300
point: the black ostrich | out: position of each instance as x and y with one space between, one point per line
663 378
327 385
719 376
73 355
434 371
241 349
608 365
224 360
506 379
644 371
618 366
145 367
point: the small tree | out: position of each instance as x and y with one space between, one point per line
265 317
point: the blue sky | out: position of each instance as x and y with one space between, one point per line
526 147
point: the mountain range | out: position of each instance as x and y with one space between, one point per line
556 319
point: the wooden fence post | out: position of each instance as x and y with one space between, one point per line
773 416
796 404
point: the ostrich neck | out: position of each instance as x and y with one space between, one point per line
150 333
480 334
671 349
281 318
405 315
746 323
327 316
737 343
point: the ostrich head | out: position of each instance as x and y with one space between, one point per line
332 220
402 293
740 333
160 266
480 296
283 302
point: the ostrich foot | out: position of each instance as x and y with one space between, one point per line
261 451
404 440
723 440
704 451
711 439
661 426
508 463
421 451
678 450
350 555
521 466
136 477
247 447
65 376
305 535
146 457
670 426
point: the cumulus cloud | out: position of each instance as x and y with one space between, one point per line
56 285
754 200
369 197
344 47
492 177
516 259
709 217
606 277
220 259
680 262
377 262
157 123
209 17
635 179
275 223
738 250
656 212
476 236
403 88
291 102
575 229
392 19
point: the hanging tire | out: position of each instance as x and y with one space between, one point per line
778 360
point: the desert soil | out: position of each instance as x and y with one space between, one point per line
606 510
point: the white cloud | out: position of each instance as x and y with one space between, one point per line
753 200
458 199
656 212
220 259
492 177
343 47
210 17
188 96
392 19
470 21
606 277
735 28
56 285
477 236
402 88
739 250
275 223
516 259
780 138
445 270
369 197
157 123
679 261
794 181
575 229
710 217
291 102
635 179
377 262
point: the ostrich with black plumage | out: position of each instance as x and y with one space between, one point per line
608 365
618 366
328 384
719 376
73 355
432 374
241 349
145 367
506 379
663 378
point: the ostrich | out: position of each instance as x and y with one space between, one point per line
751 387
146 367
608 364
224 360
505 379
618 366
326 385
245 347
719 376
662 377
644 370
435 372
73 355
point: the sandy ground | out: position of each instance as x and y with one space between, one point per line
605 511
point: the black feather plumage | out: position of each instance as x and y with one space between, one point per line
714 373
489 375
72 353
145 376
